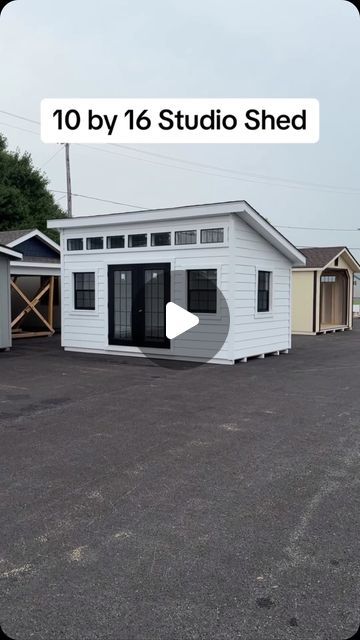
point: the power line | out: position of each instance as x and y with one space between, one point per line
52 157
59 199
234 171
161 164
269 180
233 174
12 126
80 195
283 226
13 115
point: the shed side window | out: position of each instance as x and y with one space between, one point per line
138 240
185 237
202 290
160 239
212 235
115 242
75 244
84 290
95 243
263 295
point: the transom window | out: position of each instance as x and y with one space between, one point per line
212 235
115 242
202 290
185 237
137 240
263 294
95 243
84 290
160 239
75 244
328 278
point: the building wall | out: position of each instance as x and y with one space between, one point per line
89 329
256 333
236 260
302 301
5 333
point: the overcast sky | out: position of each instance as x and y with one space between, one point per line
195 48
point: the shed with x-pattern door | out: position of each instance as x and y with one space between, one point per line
35 283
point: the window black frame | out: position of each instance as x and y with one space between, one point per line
160 233
137 235
264 291
79 240
82 289
90 239
110 238
184 244
203 231
212 290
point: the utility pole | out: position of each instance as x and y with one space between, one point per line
68 179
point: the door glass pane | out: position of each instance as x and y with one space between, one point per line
154 304
123 305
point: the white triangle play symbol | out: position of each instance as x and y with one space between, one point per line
178 320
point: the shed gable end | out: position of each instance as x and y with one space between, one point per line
36 248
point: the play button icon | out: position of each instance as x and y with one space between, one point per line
178 320
175 337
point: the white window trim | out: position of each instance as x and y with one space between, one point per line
214 244
95 250
203 315
76 251
270 313
149 246
84 312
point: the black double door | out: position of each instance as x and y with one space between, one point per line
138 295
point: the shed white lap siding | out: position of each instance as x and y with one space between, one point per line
80 327
88 330
209 332
256 333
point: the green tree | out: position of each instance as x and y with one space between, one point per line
25 201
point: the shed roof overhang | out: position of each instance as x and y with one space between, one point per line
35 233
343 253
35 269
240 208
10 253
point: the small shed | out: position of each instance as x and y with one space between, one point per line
223 262
6 255
35 296
322 298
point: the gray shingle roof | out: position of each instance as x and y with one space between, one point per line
319 257
9 236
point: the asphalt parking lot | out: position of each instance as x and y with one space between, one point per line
141 502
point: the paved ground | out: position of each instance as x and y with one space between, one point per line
141 502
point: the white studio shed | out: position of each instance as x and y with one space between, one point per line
223 262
